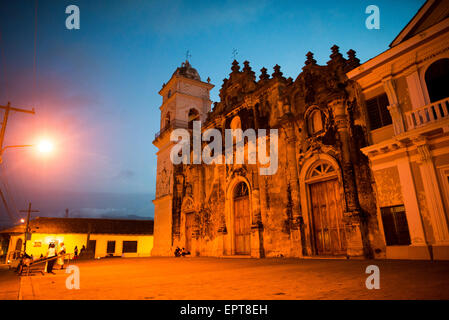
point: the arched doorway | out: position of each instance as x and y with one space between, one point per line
193 116
326 209
242 220
437 78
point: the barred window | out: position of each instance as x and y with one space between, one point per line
378 113
129 246
395 226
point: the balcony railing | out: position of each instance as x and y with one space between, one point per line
428 114
174 124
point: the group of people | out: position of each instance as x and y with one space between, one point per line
181 252
52 252
58 255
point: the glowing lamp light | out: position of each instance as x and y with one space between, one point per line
22 220
45 146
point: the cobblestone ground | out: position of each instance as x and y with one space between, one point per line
215 278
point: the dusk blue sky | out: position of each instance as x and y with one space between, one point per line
96 89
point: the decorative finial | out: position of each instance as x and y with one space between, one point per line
335 53
264 75
246 67
353 61
277 71
188 55
208 80
335 49
310 59
235 66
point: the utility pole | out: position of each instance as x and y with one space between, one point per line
8 109
27 227
67 212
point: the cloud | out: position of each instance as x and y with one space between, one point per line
125 174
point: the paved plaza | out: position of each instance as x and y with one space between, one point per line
232 278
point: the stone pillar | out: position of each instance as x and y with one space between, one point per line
434 200
293 180
352 212
257 249
415 89
419 247
394 108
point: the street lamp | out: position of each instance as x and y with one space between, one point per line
45 146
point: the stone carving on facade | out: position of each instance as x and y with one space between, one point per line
320 93
164 181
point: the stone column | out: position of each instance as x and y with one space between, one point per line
257 245
415 89
419 246
352 212
394 108
434 200
222 229
257 250
293 180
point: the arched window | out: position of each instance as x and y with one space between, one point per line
193 116
315 122
437 78
236 123
169 94
321 170
241 190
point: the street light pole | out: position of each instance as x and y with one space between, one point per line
7 109
27 226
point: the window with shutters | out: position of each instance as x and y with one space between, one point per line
378 114
395 225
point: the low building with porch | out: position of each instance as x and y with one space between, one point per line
101 237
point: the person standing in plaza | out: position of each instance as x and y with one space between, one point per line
61 256
51 253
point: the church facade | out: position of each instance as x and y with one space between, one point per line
330 195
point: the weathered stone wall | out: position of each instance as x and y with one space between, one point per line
319 117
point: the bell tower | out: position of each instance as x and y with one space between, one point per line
185 98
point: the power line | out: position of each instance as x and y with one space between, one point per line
5 183
35 52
